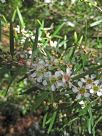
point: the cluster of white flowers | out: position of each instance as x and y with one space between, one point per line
54 78
26 34
49 76
87 87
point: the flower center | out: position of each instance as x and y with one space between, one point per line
95 88
89 81
53 80
82 90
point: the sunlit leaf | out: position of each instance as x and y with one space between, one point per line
20 18
96 23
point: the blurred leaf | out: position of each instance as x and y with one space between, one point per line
44 120
89 125
75 37
95 124
96 23
40 99
69 123
80 40
90 120
4 18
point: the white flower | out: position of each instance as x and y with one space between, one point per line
47 74
82 102
86 95
32 37
67 75
70 24
96 82
99 93
41 62
23 31
78 96
73 1
39 79
96 89
40 67
47 1
58 73
3 1
44 82
80 90
27 35
80 83
53 44
33 75
88 80
62 3
75 89
17 29
59 84
30 52
53 87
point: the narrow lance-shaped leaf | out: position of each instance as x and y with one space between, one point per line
90 120
95 124
20 17
4 19
96 23
52 121
44 120
57 30
14 15
11 39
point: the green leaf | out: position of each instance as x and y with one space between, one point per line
93 129
96 23
44 120
75 37
20 18
80 40
52 122
90 120
14 15
89 125
4 18
56 32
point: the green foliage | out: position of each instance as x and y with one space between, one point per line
53 37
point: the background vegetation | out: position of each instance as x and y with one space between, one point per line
51 67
